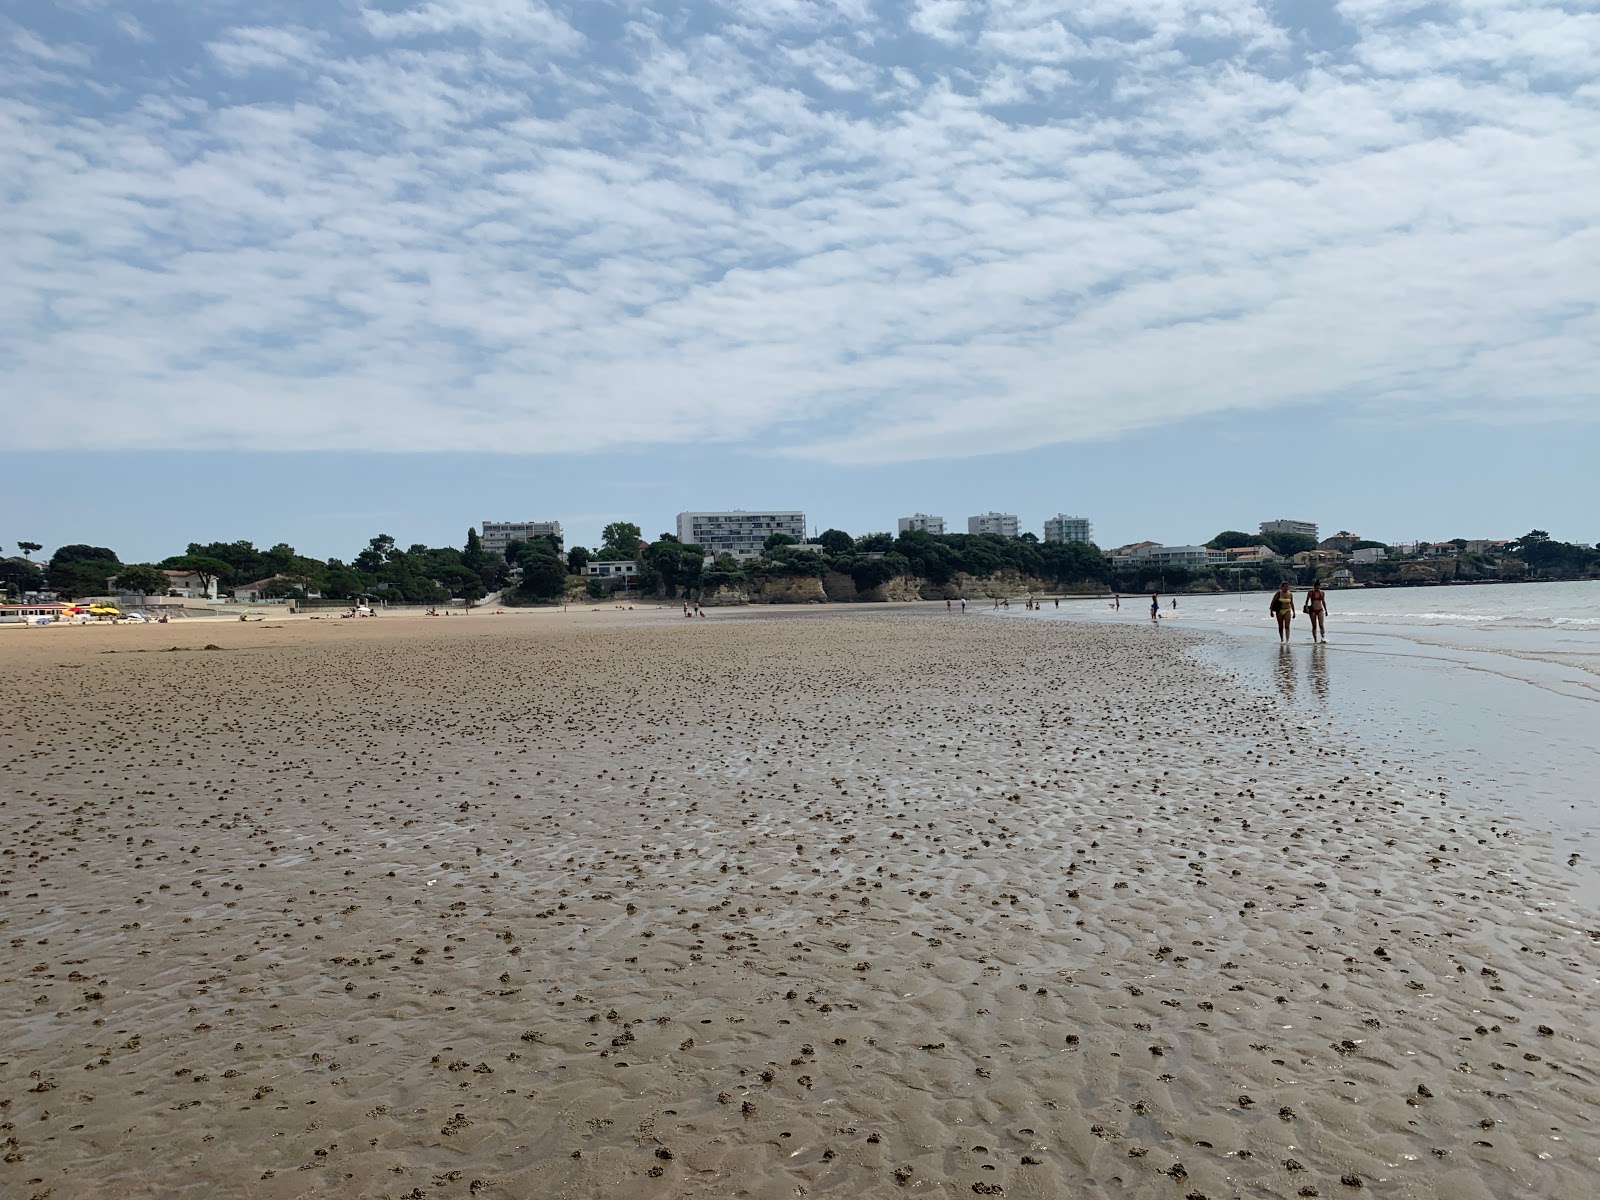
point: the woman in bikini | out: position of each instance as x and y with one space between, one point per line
1282 607
1316 607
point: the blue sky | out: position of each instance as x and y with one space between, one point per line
399 265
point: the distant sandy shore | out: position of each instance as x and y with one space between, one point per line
831 902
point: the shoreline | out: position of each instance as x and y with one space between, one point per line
1053 908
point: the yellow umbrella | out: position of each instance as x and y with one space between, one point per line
105 610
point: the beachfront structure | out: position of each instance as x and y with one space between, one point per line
1004 524
1251 554
1284 525
1062 528
921 523
1368 555
255 593
1154 554
608 568
32 612
497 535
191 585
738 532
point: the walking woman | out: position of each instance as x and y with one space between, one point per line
1282 607
1316 607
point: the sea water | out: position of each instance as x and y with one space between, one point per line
1491 689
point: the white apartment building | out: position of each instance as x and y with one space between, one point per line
1062 528
738 532
1153 554
1005 524
921 523
496 534
1284 525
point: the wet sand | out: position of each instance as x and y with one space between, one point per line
875 902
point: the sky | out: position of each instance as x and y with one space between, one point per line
312 270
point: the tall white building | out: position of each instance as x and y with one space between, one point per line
1005 524
738 532
1062 528
1284 525
496 534
921 523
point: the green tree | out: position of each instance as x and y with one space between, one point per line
79 570
243 559
211 570
29 549
21 575
544 575
144 579
836 541
1286 544
774 540
577 559
875 543
1232 539
461 582
341 582
619 541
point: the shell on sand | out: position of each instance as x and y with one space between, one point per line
611 905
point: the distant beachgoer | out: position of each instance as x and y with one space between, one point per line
1174 603
1316 607
1058 601
1116 600
947 606
1155 607
1282 607
963 604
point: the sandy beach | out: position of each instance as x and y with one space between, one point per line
614 905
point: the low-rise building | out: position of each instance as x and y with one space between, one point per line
1154 554
1343 541
1062 528
1317 558
738 532
191 585
1003 524
1368 555
921 523
255 593
496 535
618 568
1251 554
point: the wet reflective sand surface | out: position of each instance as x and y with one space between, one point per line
879 902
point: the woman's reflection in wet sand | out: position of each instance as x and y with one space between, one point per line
1317 671
1285 672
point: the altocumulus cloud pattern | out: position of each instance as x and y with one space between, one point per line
854 230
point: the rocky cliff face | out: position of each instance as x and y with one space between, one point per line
723 597
789 590
839 587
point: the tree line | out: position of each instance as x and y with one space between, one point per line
537 571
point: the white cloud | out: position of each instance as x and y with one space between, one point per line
509 20
441 239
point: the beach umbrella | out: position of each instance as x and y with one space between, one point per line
105 610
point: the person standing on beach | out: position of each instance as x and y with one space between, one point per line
1155 607
1316 607
1282 607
